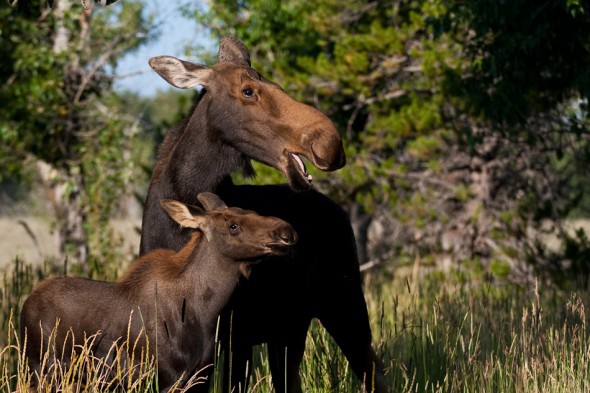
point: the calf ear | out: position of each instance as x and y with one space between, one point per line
211 201
245 269
180 213
180 73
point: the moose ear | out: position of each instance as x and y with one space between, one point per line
233 50
211 201
180 73
180 213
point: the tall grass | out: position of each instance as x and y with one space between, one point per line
77 370
435 335
71 367
479 337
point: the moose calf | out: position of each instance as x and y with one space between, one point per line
175 297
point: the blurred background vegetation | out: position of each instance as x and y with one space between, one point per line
466 126
465 123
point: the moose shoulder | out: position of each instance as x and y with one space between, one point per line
172 298
242 116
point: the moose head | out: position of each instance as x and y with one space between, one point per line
255 116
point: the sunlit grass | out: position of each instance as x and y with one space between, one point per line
433 333
481 337
78 370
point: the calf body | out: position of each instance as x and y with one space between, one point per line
167 298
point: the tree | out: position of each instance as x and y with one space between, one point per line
525 86
63 121
465 122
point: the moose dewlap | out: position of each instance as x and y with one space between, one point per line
167 302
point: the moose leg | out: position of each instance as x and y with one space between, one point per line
237 365
344 316
284 359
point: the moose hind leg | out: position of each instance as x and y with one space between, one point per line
284 360
344 316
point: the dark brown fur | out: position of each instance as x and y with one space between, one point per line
226 128
189 288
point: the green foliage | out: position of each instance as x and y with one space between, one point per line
531 55
457 116
30 75
156 114
63 112
500 269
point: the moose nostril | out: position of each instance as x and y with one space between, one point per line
341 160
331 158
287 235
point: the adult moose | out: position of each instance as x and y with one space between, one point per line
239 116
176 296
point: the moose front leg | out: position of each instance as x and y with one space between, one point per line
284 363
237 364
344 315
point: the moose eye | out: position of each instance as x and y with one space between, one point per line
233 228
248 92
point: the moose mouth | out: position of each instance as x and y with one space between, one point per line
293 167
302 167
296 172
279 249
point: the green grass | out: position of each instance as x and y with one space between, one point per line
482 338
435 335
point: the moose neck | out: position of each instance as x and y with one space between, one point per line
209 278
193 158
199 159
198 272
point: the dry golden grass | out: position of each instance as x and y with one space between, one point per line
78 370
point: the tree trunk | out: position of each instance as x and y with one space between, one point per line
64 194
64 188
360 221
62 34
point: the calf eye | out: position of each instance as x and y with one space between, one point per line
248 92
233 228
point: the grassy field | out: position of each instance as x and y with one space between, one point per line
435 335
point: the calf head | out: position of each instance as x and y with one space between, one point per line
237 234
255 116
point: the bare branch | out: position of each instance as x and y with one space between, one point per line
361 101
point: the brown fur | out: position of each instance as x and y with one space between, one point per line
223 131
189 288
